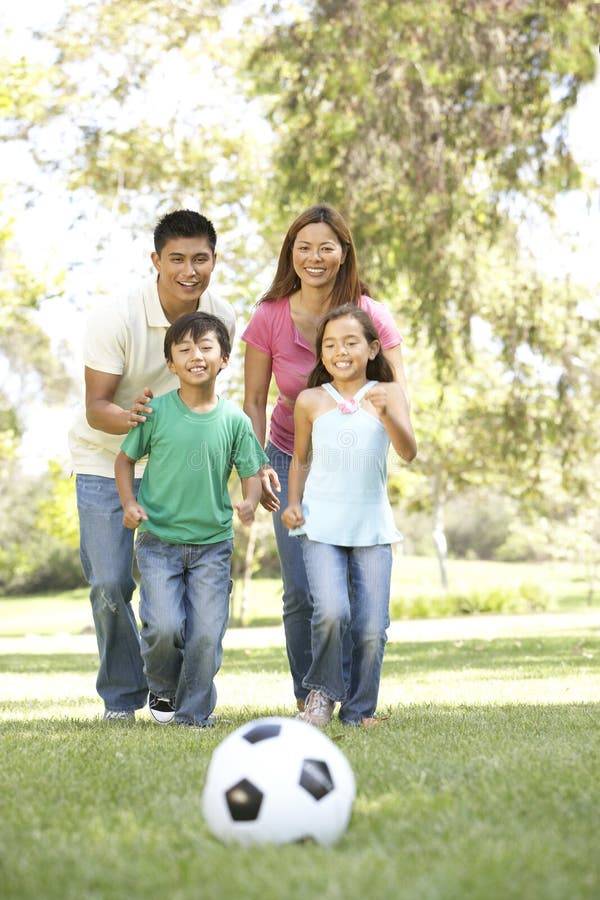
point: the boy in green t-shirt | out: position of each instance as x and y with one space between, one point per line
192 438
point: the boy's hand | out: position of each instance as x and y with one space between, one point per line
245 510
133 514
292 516
140 409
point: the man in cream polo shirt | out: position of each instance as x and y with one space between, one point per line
124 361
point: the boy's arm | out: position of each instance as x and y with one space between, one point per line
391 405
133 513
251 492
292 516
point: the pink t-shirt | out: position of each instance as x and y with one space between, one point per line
271 330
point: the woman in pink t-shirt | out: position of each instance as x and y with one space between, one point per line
316 272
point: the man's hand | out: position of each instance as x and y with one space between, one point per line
140 409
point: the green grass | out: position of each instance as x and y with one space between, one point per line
481 785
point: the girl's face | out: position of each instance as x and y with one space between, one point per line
317 255
345 351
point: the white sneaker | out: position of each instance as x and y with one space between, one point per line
119 715
318 709
161 709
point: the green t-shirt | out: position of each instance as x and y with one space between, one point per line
190 457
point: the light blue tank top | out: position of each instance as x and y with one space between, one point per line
345 497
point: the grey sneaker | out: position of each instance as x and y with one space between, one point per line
319 709
119 715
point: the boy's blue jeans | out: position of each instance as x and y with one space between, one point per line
350 587
184 610
106 551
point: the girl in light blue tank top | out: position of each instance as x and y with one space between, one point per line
338 507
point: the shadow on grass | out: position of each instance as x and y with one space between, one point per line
536 653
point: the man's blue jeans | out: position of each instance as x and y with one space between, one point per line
350 587
106 551
184 610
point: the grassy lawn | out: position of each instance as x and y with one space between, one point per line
562 586
481 785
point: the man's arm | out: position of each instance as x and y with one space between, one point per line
102 412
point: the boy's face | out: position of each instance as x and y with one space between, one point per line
197 363
184 267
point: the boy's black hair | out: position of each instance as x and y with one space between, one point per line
183 223
378 369
196 324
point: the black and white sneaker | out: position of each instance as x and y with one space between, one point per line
161 709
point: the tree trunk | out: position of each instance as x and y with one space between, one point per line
438 533
248 566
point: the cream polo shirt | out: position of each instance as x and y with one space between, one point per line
127 339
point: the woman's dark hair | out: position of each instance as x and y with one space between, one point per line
348 287
196 324
378 369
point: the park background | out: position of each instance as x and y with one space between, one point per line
461 140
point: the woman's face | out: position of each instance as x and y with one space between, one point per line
317 256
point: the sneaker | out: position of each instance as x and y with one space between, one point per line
119 715
300 704
319 709
161 709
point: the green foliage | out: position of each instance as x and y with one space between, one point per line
522 599
39 543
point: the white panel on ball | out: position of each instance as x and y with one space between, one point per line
277 781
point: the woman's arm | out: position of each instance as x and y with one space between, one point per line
258 368
300 466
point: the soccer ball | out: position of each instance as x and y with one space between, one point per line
277 781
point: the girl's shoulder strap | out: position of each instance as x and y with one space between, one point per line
363 390
332 391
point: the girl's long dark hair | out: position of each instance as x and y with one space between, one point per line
378 369
348 287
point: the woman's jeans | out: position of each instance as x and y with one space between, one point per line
297 601
350 587
184 610
106 552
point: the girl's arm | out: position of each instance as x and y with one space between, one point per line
391 405
251 493
300 465
133 513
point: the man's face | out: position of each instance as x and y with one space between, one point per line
184 266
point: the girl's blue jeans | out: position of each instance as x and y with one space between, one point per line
350 587
184 610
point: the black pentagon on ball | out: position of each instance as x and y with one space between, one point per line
244 801
315 778
262 732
